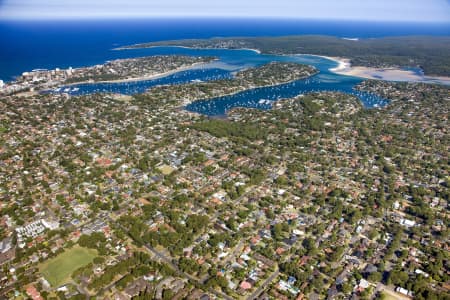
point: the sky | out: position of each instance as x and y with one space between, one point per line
369 10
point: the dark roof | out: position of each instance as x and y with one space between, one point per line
204 297
370 268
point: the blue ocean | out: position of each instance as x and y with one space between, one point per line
48 45
28 45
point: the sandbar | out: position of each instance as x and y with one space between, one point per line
389 74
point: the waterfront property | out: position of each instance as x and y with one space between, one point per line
229 63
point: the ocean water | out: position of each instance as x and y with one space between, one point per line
229 62
28 45
47 45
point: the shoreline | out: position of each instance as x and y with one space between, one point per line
140 78
344 67
184 47
388 74
247 89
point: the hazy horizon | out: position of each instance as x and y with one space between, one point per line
433 11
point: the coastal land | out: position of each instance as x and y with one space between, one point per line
120 70
143 77
431 54
317 196
345 67
270 74
137 46
137 198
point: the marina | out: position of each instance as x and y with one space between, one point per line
230 62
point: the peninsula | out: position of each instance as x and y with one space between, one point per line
385 73
120 70
270 74
431 54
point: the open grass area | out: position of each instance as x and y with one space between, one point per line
388 295
166 169
59 269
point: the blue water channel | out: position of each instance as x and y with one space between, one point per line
229 62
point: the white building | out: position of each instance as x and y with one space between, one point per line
407 223
403 291
52 225
33 230
420 272
396 205
6 245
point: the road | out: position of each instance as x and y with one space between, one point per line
160 256
106 288
384 288
169 262
174 267
81 289
237 248
6 289
262 287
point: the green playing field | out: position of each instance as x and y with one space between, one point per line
59 269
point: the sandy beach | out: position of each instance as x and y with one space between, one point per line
390 74
142 78
344 67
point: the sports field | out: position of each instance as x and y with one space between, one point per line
390 295
59 269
